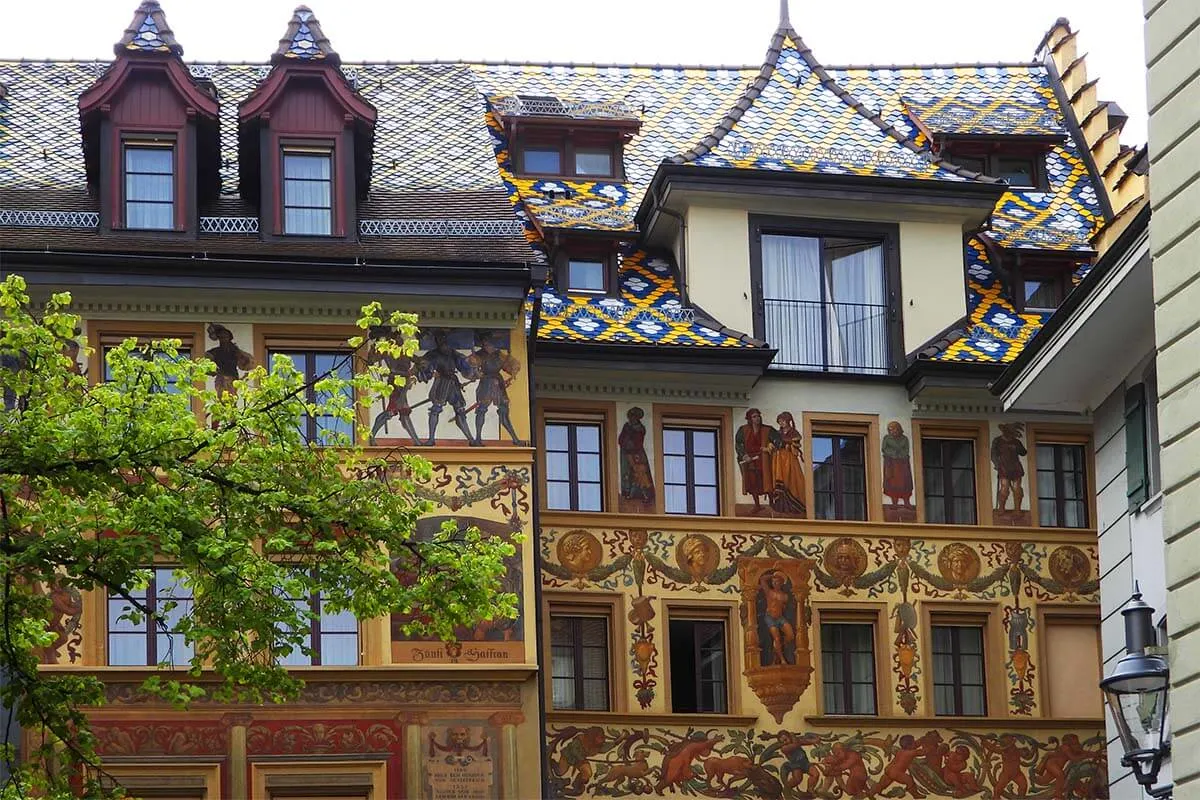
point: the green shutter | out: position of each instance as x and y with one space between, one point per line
1137 482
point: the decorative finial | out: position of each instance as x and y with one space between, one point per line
784 22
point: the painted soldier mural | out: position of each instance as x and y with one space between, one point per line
496 370
231 361
1007 451
753 443
443 365
637 484
396 404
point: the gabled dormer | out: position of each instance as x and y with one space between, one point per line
305 139
150 133
552 137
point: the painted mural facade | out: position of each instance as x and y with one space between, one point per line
402 713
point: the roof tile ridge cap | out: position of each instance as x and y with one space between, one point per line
887 128
740 106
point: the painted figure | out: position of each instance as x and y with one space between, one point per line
897 770
955 774
1007 451
1019 624
796 766
776 612
443 364
397 404
574 759
637 484
1053 767
491 365
897 466
1010 771
753 442
677 761
229 359
787 454
845 766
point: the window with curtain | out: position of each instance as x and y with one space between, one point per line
331 636
315 364
949 473
690 465
848 667
149 186
959 684
579 662
825 303
146 642
1061 485
308 192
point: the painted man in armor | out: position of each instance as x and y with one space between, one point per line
396 404
492 365
443 364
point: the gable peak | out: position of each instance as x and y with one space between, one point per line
148 32
305 41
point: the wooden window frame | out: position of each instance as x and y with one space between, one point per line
573 453
269 338
587 411
888 235
714 417
701 610
689 429
318 778
847 424
873 614
1070 614
608 606
1049 433
567 142
565 253
150 627
975 431
991 161
968 613
150 140
164 779
310 146
102 333
315 606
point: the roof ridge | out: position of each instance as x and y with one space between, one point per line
936 65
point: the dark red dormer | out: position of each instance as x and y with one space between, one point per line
151 138
306 139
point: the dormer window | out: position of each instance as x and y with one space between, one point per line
585 267
149 184
1042 281
586 275
1020 171
555 138
307 191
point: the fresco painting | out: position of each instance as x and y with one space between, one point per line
770 462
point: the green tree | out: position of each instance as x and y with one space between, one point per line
99 481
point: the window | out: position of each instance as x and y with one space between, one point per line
958 671
593 162
149 186
1023 170
698 666
332 636
579 662
839 476
1142 449
574 466
1061 485
949 476
314 364
538 160
586 276
1017 170
1072 662
822 294
1043 292
690 470
170 387
145 643
848 667
307 192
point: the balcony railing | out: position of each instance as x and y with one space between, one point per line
829 337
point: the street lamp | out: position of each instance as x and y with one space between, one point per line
1136 693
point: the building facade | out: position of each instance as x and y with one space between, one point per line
719 341
1172 63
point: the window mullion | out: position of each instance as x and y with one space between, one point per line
577 636
151 623
572 467
314 603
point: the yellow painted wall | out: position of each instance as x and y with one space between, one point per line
932 287
718 264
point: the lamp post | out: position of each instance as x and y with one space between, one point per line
1136 694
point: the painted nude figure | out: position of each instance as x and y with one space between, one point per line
897 770
776 595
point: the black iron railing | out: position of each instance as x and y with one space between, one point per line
831 337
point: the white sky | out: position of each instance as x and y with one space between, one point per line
617 31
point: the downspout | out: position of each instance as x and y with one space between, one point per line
538 277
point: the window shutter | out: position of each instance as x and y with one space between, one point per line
1137 484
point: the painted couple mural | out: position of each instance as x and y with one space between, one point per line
770 460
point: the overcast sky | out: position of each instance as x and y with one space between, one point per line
617 31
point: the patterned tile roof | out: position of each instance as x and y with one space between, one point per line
648 311
149 32
794 117
439 134
304 39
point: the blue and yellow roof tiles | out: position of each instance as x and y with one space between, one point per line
648 310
